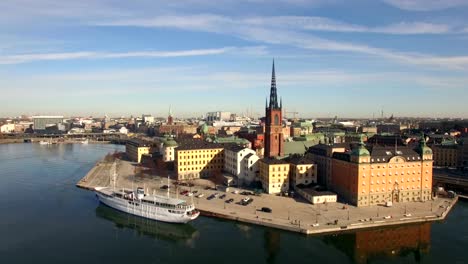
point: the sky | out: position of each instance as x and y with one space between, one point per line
332 57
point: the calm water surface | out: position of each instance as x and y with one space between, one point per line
44 218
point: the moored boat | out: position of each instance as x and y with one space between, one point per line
154 207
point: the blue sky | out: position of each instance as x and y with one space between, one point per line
333 57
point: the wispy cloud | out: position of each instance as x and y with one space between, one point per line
331 25
24 58
258 30
426 5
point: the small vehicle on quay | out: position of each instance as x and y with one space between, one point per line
229 200
266 209
222 196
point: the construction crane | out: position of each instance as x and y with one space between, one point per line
292 112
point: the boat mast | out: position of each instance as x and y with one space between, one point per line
168 186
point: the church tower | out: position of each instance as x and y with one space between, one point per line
274 139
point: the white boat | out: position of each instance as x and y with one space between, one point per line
85 142
154 207
44 143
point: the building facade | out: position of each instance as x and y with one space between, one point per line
321 156
42 122
135 148
218 116
274 175
383 174
302 171
447 155
274 138
241 162
167 150
199 159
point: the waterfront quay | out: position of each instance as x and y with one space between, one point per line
293 214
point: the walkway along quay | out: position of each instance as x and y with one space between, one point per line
292 214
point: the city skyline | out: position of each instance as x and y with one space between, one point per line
407 58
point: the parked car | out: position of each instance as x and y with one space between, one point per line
183 184
195 191
247 193
184 192
210 197
222 196
235 192
229 200
189 194
266 209
164 187
216 195
200 195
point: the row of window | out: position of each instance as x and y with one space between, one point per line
201 168
391 189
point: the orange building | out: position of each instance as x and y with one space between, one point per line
378 175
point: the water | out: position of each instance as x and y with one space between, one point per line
44 218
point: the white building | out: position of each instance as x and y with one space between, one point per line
123 130
148 119
241 162
7 128
316 197
218 116
167 149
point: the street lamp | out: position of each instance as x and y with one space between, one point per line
348 214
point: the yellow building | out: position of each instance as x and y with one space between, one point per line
302 171
198 159
383 174
135 148
274 175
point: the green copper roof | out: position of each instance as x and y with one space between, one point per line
170 142
423 148
361 150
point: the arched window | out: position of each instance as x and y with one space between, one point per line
276 119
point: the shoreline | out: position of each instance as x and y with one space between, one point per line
288 214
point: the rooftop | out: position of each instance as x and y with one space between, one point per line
273 161
197 144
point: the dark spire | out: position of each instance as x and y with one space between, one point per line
273 96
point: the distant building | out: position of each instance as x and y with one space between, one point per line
148 119
198 159
448 155
7 128
218 116
135 148
274 175
41 123
388 128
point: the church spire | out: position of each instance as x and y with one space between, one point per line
273 95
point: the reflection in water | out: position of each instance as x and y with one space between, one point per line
151 228
272 244
364 246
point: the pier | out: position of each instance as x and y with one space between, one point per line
292 214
